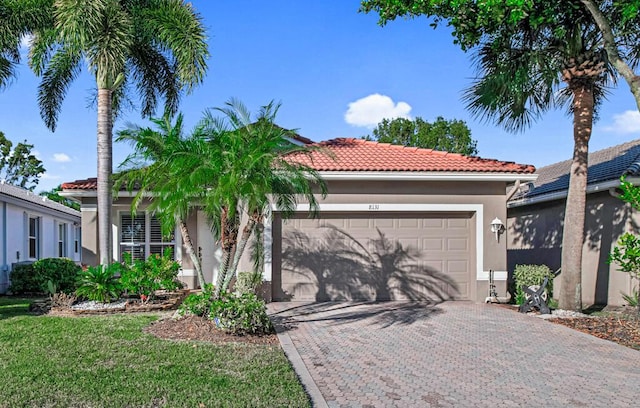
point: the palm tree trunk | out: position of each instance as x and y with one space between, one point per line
105 167
573 234
242 244
186 240
228 239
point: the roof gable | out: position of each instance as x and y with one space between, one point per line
28 196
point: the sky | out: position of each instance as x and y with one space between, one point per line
336 73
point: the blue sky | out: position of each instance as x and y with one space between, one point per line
336 73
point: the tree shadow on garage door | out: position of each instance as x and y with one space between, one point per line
335 266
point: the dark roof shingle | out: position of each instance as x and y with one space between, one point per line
604 165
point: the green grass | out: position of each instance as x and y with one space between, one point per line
109 362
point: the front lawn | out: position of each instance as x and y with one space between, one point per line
109 362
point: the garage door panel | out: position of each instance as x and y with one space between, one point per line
457 223
458 244
330 264
383 223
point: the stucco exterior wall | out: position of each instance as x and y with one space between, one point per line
534 236
488 197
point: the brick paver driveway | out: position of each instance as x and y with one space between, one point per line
455 354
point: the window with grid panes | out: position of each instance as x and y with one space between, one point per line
141 235
62 240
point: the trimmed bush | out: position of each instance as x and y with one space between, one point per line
23 279
62 272
241 314
36 277
531 275
234 313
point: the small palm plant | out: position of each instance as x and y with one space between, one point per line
99 283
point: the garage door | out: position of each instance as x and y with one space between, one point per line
350 256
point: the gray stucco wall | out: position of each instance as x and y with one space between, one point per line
534 236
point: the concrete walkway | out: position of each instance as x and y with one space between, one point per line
454 354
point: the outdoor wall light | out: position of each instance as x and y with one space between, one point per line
497 227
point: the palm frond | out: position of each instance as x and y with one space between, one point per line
62 69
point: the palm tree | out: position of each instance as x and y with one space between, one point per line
17 20
148 170
235 169
521 73
157 47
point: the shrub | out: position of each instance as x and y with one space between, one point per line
198 304
531 275
627 255
241 314
155 273
62 272
23 279
100 283
248 282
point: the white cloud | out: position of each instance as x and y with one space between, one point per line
625 122
61 158
370 110
47 176
37 154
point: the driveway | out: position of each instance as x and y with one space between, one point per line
454 354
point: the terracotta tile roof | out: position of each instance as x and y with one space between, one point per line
604 165
357 155
362 155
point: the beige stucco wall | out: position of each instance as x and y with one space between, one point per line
534 236
489 195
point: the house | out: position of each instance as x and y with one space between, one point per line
34 227
398 223
536 215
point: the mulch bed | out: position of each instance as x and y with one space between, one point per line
202 329
621 329
618 325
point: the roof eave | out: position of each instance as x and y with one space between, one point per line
561 194
426 176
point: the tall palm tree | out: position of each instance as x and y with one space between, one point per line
148 171
235 168
156 47
524 72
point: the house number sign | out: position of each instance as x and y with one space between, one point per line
374 207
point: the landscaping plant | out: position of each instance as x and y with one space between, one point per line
531 275
100 283
60 273
144 278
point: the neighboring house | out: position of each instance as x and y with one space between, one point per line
34 227
398 223
536 216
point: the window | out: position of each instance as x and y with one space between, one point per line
34 237
62 240
76 239
141 236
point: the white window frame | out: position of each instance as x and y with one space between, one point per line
61 247
147 244
36 237
76 239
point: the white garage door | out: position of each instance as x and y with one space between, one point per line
349 256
